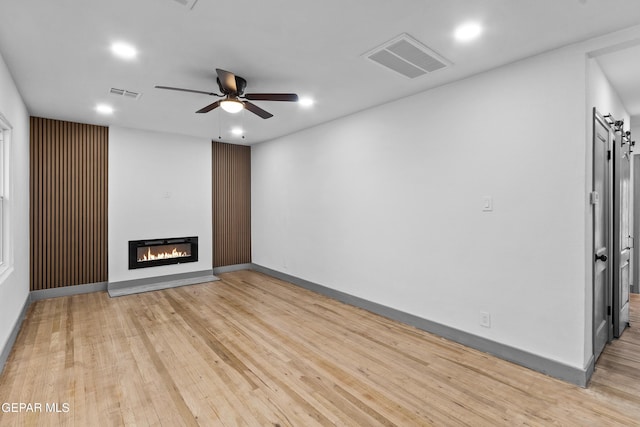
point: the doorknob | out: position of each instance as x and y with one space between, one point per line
602 257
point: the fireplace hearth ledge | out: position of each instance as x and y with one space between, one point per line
129 287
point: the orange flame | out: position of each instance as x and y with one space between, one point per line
163 255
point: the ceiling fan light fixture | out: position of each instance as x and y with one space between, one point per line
231 106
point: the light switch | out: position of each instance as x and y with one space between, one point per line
487 204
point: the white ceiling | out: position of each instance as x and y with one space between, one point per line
58 53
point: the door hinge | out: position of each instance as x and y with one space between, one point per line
608 154
608 310
594 197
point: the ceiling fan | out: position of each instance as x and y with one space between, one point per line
232 88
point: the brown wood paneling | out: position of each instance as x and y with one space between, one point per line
68 209
231 204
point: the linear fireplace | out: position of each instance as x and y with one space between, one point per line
152 253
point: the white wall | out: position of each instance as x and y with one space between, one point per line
14 286
386 205
635 130
603 96
159 186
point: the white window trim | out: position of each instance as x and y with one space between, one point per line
6 263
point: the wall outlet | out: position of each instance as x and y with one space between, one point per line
485 319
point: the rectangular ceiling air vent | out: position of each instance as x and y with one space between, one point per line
407 56
125 93
188 3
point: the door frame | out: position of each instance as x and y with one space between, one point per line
621 249
608 200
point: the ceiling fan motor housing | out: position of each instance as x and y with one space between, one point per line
241 84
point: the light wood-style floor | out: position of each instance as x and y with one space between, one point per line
252 350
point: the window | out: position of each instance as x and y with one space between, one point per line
6 259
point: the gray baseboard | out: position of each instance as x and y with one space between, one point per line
128 287
588 372
68 291
8 346
538 363
232 268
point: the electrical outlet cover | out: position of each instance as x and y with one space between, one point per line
485 319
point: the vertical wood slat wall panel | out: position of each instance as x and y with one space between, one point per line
68 203
231 165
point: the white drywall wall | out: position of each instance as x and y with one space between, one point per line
159 186
387 205
14 284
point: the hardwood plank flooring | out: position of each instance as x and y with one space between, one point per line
255 351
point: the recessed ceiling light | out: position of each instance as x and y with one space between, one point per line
104 109
237 131
468 31
306 101
124 50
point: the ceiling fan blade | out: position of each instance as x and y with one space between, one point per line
227 81
257 110
292 97
209 107
187 90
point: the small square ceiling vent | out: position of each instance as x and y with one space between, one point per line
125 93
407 56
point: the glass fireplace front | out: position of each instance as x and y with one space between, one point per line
155 252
